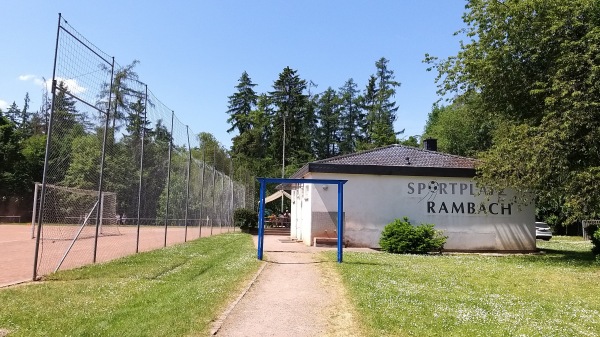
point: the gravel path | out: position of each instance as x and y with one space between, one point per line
294 295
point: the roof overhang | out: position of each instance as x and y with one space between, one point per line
386 170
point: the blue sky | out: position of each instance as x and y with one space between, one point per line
192 53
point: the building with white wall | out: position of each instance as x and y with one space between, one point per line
400 181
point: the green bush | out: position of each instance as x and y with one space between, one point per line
594 235
401 237
245 218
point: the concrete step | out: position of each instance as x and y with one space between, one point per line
324 242
277 231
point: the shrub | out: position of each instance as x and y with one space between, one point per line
401 237
245 218
594 235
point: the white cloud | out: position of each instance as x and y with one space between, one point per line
26 77
40 82
71 84
3 105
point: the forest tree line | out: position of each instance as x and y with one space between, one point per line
302 125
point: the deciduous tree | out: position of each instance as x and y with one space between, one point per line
534 65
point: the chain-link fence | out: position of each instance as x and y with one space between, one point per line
584 227
122 174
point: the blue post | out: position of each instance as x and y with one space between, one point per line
261 211
261 218
340 224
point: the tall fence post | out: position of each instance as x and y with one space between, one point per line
47 154
139 204
222 212
34 211
187 193
103 157
202 190
231 187
169 177
214 210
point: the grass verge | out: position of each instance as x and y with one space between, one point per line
175 291
551 294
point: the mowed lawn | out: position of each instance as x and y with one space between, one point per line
552 294
175 291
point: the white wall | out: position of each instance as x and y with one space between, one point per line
295 216
473 219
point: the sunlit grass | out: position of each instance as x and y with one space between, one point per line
554 293
174 291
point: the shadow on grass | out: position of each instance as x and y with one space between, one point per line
569 257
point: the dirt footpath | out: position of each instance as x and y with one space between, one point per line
296 294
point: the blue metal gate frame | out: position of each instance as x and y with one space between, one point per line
261 209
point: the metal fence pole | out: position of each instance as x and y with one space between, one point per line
214 190
169 177
231 198
202 189
139 205
246 196
103 157
187 193
34 211
222 202
46 155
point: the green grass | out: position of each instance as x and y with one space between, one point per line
552 294
175 291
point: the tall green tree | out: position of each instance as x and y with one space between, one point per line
326 139
13 113
10 157
124 92
461 128
25 116
351 117
250 148
22 158
290 112
241 104
380 106
368 102
534 65
67 124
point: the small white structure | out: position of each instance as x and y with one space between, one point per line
425 186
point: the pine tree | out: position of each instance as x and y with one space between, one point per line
351 117
290 114
67 124
241 104
250 148
368 103
328 115
13 113
380 108
123 92
25 116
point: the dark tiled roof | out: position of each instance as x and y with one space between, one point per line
394 160
400 155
